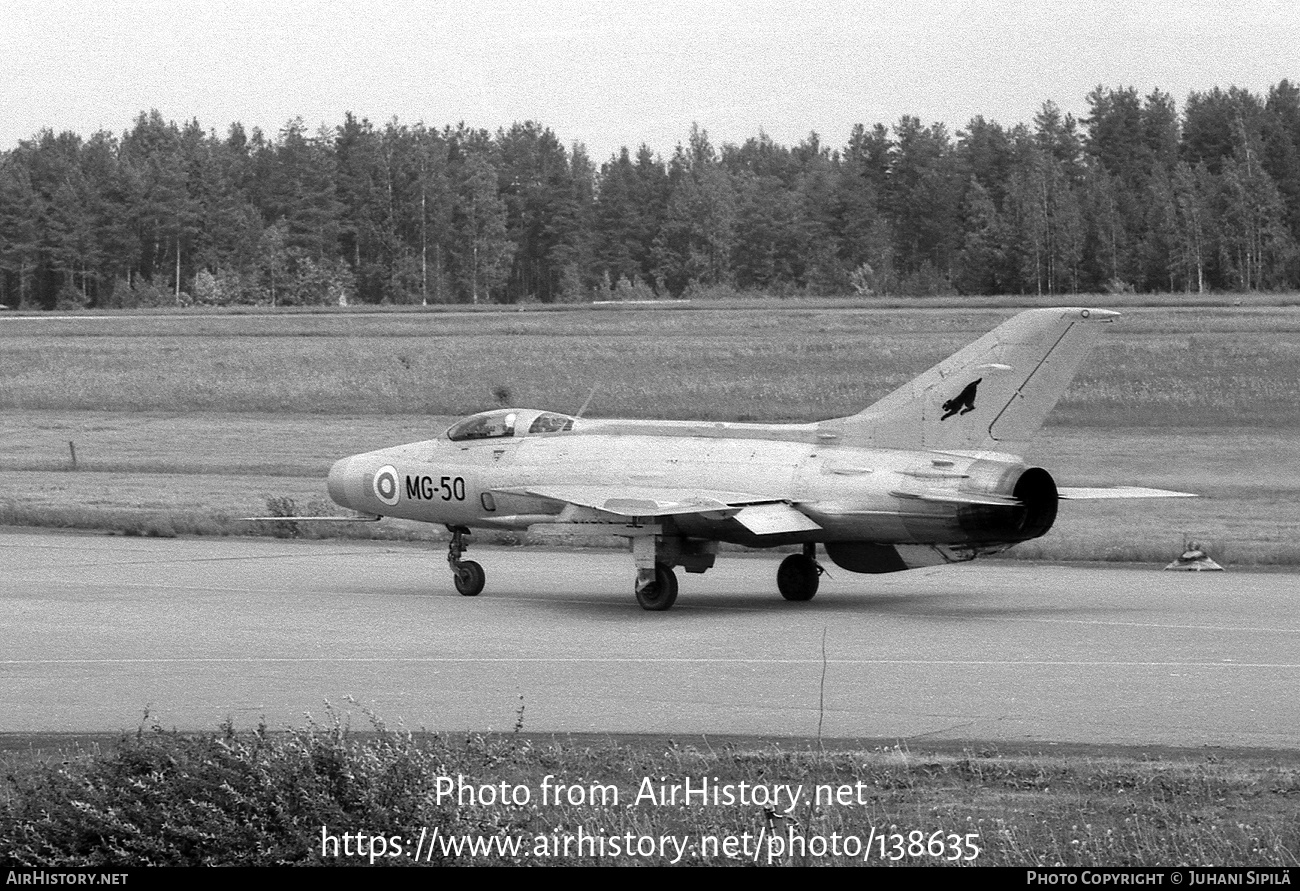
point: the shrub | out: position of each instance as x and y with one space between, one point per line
282 506
634 289
253 798
71 297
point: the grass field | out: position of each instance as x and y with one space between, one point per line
1158 367
183 423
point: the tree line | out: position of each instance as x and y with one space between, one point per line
1134 196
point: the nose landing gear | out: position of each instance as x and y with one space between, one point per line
468 575
656 590
656 583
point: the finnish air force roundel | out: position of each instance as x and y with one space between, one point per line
386 485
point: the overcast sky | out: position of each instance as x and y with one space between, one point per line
609 74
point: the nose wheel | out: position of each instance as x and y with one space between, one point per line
468 575
658 591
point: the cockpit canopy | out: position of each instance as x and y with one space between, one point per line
507 422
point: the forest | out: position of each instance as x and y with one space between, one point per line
1132 197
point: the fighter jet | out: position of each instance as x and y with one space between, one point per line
929 474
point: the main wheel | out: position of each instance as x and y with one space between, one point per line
470 578
797 578
662 593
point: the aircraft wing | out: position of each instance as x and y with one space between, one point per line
642 501
761 514
1094 493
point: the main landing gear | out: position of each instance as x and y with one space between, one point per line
468 575
799 574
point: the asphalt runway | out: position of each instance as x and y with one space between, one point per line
94 630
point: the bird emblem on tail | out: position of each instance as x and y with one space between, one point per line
963 402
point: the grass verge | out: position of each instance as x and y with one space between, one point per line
261 797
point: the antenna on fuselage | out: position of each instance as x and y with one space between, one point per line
588 402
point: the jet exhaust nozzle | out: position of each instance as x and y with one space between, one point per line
1036 491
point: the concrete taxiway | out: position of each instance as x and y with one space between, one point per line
97 629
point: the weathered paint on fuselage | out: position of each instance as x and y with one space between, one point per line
846 490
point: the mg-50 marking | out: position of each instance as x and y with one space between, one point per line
447 488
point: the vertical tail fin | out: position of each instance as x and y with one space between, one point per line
994 394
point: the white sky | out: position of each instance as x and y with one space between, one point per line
608 74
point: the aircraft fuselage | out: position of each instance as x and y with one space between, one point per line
852 494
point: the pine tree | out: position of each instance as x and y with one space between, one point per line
20 227
482 248
695 243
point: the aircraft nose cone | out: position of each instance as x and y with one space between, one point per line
344 486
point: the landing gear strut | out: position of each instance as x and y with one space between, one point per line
656 583
799 574
468 575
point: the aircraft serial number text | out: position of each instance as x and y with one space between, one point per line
424 488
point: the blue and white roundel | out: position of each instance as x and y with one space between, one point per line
386 485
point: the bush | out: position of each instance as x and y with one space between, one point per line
207 292
698 291
141 292
253 798
863 280
634 289
926 282
281 506
321 283
71 297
